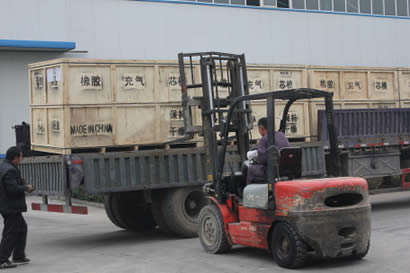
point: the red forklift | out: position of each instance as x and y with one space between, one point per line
286 214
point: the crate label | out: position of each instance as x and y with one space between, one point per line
92 129
285 80
353 85
54 76
40 129
292 123
328 84
256 85
91 81
174 81
381 85
38 80
133 81
176 123
176 128
55 125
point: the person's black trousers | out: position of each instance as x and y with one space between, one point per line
14 237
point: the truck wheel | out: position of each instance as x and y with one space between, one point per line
157 214
132 212
109 212
211 230
288 249
181 208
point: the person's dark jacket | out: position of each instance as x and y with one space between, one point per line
12 188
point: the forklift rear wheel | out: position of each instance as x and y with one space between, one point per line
288 249
359 256
211 230
181 207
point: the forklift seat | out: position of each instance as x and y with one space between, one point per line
290 162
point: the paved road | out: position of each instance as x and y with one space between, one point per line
60 243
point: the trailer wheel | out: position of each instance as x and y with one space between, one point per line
288 249
132 212
109 211
181 208
157 214
211 230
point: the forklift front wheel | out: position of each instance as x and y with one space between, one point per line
288 249
211 230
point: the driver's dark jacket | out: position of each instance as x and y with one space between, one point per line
12 188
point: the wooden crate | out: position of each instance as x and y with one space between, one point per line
355 83
97 82
404 84
61 129
297 125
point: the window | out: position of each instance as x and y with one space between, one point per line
339 5
252 2
221 1
352 6
269 3
205 1
378 7
402 7
238 2
365 6
312 4
298 4
325 5
390 7
283 3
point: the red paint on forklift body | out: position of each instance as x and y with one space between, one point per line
291 195
251 226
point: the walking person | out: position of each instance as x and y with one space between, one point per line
12 205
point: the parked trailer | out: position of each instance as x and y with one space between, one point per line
374 142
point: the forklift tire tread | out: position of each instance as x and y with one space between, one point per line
218 243
296 248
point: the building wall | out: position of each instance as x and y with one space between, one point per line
148 30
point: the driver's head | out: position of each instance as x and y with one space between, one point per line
262 126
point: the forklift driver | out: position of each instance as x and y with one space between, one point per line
256 171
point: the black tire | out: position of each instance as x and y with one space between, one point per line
288 249
109 211
132 212
211 230
181 208
157 214
359 256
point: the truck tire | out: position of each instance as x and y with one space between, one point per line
211 230
157 214
181 208
132 212
288 249
109 211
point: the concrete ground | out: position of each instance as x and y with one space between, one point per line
60 243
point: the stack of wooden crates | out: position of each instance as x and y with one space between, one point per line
85 103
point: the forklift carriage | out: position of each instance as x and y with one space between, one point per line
287 215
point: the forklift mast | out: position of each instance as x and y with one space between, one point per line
220 80
224 100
